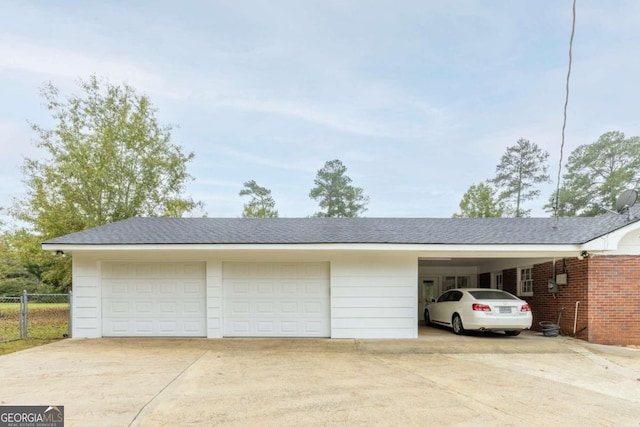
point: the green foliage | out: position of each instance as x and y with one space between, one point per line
335 194
261 204
480 202
106 159
597 174
522 167
25 266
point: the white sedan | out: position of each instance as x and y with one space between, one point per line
479 309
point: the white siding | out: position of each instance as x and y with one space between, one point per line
86 301
214 299
373 295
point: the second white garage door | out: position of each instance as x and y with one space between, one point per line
276 299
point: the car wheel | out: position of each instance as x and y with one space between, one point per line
512 333
456 324
427 318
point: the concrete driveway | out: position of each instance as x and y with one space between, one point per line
438 379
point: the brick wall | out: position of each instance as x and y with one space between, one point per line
548 307
614 296
607 289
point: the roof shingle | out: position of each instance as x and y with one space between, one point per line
480 231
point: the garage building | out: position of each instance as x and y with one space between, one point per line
329 277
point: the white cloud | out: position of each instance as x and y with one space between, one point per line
51 62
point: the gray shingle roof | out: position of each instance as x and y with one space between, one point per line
480 231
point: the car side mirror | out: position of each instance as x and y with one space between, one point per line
433 300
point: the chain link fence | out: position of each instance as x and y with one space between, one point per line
10 308
35 316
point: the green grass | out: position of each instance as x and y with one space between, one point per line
47 322
13 346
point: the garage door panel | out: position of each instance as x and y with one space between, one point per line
265 307
286 308
240 327
153 327
193 288
193 307
114 287
276 328
144 270
289 327
237 287
143 288
288 288
276 299
265 327
312 307
314 288
143 308
119 327
315 326
168 288
287 270
134 305
192 327
265 287
190 269
289 308
167 307
168 327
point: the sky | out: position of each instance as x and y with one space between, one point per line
419 99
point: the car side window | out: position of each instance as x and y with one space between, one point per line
444 297
455 296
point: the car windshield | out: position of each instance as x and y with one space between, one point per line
491 295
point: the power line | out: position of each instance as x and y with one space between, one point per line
566 103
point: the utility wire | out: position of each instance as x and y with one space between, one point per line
566 103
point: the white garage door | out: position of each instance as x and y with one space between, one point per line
276 299
153 299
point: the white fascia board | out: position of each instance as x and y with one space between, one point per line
507 251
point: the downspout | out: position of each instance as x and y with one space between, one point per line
575 318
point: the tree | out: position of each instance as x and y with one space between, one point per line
106 159
597 173
480 202
335 194
522 167
261 204
24 266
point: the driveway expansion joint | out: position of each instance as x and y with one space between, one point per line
178 375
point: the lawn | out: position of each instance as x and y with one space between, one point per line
47 322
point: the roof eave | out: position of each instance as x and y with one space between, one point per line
505 250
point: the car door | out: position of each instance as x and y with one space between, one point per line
437 310
454 304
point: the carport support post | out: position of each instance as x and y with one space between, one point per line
23 315
70 313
